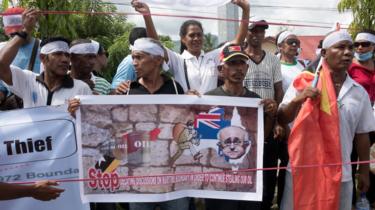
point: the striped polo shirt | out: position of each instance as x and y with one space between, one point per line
102 86
261 77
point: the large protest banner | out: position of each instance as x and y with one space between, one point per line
40 144
162 147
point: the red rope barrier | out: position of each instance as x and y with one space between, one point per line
203 173
49 12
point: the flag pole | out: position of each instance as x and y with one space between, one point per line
317 73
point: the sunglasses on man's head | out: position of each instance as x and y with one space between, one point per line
363 44
293 42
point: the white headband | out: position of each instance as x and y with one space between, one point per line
12 20
283 36
84 48
336 37
52 47
96 45
147 46
365 36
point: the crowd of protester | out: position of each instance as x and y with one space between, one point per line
52 71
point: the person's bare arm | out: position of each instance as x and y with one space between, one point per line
270 111
145 11
279 93
42 190
362 143
242 31
2 97
9 51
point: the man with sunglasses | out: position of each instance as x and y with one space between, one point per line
362 71
288 44
264 78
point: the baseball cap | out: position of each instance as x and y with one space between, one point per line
258 23
231 51
12 20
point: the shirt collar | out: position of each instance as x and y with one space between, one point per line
93 77
66 83
348 84
187 55
136 84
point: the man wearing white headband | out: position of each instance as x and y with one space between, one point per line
83 57
354 111
101 60
53 86
362 71
125 70
27 55
148 61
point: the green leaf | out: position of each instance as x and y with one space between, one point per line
5 4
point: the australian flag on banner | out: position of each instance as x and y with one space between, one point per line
209 124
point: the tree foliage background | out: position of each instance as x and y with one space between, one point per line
112 31
363 13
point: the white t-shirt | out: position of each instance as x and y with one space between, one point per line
289 72
202 71
31 88
261 77
355 114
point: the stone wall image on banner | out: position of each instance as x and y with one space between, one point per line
155 149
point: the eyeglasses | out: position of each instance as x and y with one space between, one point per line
235 141
293 42
363 44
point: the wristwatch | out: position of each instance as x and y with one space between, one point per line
22 34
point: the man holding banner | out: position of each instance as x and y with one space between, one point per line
326 120
233 67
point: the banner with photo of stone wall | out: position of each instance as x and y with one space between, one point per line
164 147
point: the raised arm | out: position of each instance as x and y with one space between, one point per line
145 11
242 31
9 51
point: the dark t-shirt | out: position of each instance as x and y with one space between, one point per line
231 204
220 92
167 88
